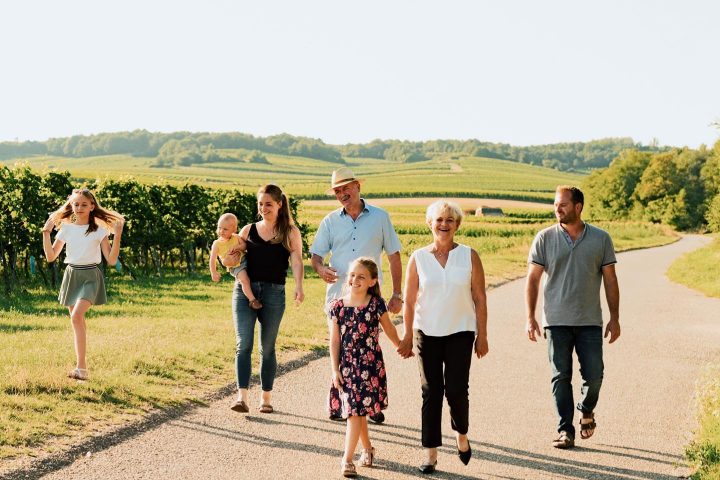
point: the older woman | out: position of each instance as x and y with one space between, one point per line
446 314
272 244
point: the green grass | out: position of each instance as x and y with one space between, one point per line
299 176
163 342
700 270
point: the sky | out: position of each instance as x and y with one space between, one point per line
523 72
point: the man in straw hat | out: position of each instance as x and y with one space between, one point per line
354 230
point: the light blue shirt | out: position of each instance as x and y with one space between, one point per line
347 239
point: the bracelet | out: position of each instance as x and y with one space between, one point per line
398 296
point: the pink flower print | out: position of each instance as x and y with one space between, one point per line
370 357
381 372
365 374
376 407
367 401
375 381
362 327
334 403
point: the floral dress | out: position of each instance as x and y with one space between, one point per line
364 388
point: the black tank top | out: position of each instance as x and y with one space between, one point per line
266 262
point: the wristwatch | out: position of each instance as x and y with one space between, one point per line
398 296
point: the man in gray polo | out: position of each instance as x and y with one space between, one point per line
354 230
576 258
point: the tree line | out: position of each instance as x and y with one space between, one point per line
679 187
167 227
186 148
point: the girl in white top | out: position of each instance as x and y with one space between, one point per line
446 316
84 227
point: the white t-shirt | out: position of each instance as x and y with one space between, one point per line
81 249
444 303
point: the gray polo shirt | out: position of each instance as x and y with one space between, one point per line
366 236
573 274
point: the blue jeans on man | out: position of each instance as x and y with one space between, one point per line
588 344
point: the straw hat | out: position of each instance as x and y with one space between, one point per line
341 176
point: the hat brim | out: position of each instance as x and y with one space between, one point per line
331 190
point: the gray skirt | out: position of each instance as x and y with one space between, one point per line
82 282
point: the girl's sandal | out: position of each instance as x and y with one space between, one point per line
347 469
78 374
255 304
367 457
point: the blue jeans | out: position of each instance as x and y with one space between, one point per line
588 344
272 296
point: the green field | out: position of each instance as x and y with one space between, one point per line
305 177
163 342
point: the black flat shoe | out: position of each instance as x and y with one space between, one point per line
466 455
379 418
428 467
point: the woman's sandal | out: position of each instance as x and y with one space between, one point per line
255 304
587 428
367 457
78 374
266 408
347 469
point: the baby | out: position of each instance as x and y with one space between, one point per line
227 241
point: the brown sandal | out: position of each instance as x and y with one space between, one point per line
255 304
266 408
587 429
563 441
240 406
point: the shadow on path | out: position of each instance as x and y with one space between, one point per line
54 462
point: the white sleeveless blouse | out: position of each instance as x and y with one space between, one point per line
444 303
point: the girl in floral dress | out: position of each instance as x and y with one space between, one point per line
359 383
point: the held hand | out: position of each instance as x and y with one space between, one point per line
215 276
337 380
119 224
394 305
481 346
232 258
613 329
533 329
405 348
49 225
299 296
328 275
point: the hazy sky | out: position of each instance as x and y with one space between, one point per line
521 72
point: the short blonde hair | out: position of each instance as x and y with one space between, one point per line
443 206
228 217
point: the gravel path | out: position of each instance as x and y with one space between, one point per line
645 414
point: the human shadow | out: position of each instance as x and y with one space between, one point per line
252 439
660 454
523 458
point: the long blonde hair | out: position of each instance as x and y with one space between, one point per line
285 222
107 217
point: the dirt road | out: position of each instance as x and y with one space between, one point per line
645 414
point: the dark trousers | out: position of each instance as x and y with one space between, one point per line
587 343
444 370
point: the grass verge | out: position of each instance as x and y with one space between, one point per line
701 270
